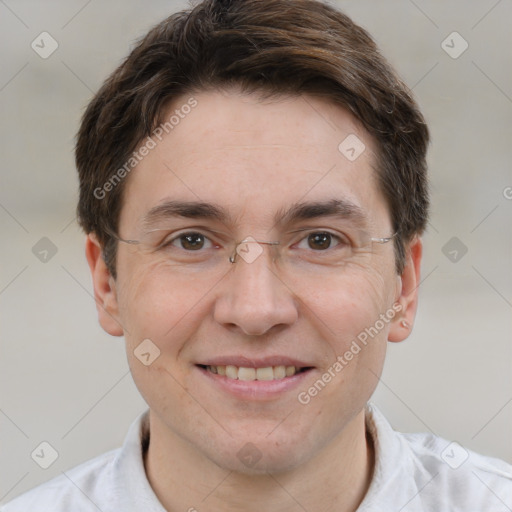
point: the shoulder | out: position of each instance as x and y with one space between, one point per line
113 481
423 472
459 475
80 489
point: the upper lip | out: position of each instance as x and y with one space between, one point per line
253 362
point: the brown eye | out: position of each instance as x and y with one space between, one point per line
320 241
192 241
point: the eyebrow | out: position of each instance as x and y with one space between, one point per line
341 208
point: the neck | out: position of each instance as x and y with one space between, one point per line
336 478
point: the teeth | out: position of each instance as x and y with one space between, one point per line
250 374
246 373
263 373
231 372
279 372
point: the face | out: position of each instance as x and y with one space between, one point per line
254 160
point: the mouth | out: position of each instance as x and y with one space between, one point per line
261 378
249 374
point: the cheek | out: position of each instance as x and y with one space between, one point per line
159 309
153 309
353 316
349 304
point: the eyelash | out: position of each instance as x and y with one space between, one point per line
342 240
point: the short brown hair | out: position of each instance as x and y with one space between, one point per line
273 47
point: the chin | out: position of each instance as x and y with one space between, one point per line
260 457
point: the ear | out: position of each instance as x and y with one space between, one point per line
105 293
407 292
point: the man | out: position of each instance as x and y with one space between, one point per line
253 188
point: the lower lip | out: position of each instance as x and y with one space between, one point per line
256 389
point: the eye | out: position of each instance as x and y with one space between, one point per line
322 240
188 241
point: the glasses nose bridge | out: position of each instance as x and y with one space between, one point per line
249 249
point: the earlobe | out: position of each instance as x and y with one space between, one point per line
407 292
105 293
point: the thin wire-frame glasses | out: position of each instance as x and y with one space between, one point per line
198 248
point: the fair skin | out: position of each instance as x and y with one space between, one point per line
256 159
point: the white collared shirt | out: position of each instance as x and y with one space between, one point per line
413 473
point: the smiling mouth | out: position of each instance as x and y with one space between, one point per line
251 374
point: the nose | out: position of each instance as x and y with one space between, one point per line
253 298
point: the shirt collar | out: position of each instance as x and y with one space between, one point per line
132 491
393 485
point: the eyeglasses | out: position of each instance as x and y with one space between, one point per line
308 249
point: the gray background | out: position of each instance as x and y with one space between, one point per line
64 381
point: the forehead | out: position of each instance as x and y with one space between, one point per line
255 157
